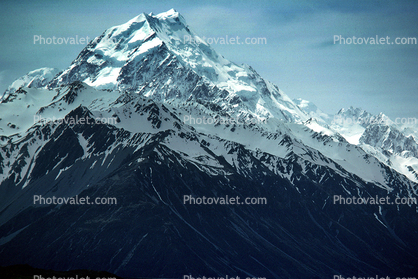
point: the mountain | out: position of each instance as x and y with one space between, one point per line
149 53
34 79
147 122
312 110
390 139
392 142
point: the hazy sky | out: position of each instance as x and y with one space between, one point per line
300 55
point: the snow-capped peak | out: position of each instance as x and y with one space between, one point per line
34 79
312 110
132 56
172 13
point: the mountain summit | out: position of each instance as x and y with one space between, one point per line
149 48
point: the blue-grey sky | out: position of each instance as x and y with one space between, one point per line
300 55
